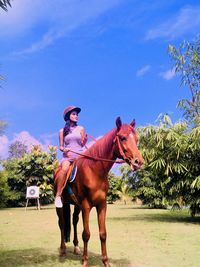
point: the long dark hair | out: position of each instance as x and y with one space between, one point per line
66 129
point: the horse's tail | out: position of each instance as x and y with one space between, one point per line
67 221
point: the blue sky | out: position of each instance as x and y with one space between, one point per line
108 57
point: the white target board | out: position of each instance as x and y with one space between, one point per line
32 192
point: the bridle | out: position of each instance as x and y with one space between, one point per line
121 151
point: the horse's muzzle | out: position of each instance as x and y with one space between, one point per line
135 164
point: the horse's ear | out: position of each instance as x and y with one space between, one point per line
133 123
118 123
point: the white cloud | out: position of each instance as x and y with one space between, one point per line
48 139
168 75
143 70
186 21
4 143
22 17
25 138
58 19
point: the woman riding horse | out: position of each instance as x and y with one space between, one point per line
71 137
91 184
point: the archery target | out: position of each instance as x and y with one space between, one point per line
32 192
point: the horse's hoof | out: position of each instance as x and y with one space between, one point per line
77 250
106 263
85 261
85 264
62 252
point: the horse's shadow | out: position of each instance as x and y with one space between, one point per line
41 257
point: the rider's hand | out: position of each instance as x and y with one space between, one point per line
65 151
84 140
61 148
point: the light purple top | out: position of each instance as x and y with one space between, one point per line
73 141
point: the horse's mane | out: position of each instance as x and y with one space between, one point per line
101 147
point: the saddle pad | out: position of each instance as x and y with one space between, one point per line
73 174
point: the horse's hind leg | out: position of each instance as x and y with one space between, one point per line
67 221
77 250
61 224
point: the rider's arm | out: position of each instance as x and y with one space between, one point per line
61 140
84 136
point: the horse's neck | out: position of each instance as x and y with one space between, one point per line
104 149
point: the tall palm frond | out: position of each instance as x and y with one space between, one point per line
4 4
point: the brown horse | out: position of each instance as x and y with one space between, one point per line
91 184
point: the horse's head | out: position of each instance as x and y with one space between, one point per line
127 140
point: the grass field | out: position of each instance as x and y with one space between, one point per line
137 237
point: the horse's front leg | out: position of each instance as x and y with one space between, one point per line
76 213
101 213
86 233
61 224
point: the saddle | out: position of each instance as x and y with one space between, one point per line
71 175
72 172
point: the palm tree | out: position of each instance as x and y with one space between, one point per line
124 192
4 4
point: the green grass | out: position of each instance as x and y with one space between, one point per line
137 237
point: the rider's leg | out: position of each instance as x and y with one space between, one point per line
60 181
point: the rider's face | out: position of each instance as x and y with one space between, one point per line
73 116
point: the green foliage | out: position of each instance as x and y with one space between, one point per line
38 166
171 171
114 186
4 189
46 193
14 183
4 4
187 64
34 168
118 188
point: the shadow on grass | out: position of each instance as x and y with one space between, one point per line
41 257
166 216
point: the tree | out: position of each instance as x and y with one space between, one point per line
171 173
17 149
114 185
5 193
34 168
13 188
187 64
4 4
124 192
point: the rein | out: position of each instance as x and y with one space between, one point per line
102 159
96 158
